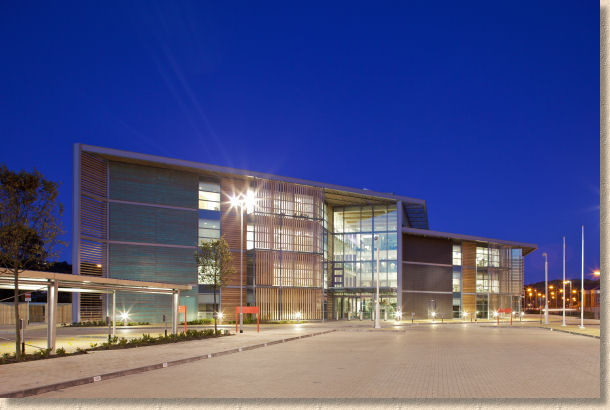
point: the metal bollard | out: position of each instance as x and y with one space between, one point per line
385 315
360 315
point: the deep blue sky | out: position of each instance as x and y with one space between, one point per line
487 110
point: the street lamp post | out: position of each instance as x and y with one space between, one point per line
377 324
582 281
563 323
242 201
241 266
546 289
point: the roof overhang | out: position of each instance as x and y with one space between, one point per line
191 166
526 247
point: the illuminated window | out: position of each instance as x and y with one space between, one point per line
457 254
482 256
209 196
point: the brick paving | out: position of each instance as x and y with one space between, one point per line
421 361
34 374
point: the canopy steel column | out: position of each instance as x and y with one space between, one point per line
175 299
52 289
113 313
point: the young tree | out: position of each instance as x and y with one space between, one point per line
29 227
214 263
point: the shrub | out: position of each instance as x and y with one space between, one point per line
60 351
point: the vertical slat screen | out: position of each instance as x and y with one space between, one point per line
93 234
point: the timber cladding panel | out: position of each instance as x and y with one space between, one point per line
288 269
233 279
468 267
93 233
230 230
229 215
468 303
230 300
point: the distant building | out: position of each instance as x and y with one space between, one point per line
534 295
309 247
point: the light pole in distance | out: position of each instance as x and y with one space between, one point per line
377 324
546 289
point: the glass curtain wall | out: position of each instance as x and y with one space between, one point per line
353 245
457 280
354 257
499 278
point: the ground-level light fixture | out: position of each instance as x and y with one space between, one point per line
124 317
495 314
298 316
220 315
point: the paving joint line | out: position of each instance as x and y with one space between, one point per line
33 391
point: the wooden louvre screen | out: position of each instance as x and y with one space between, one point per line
93 233
284 303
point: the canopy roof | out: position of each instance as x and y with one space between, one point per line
38 280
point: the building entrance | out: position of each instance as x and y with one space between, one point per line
353 306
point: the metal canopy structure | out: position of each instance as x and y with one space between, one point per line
53 283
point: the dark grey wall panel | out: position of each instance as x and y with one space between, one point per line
426 277
420 302
155 264
136 223
138 183
427 250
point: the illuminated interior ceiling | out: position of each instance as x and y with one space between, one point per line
341 198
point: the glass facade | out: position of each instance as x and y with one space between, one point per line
499 275
457 280
354 250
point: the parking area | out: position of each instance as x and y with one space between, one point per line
432 361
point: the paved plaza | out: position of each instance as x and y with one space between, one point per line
419 361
